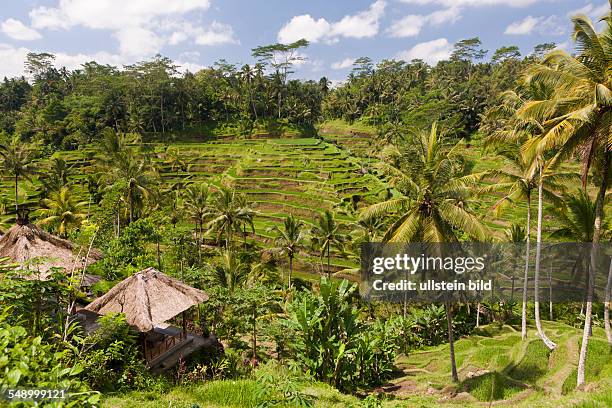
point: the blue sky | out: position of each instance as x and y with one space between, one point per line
195 33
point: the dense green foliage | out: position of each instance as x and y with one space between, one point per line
201 175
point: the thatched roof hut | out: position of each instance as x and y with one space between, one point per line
24 243
148 298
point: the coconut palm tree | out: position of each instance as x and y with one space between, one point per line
62 211
195 203
227 212
325 234
138 175
579 112
433 202
230 272
57 175
290 239
519 179
17 161
577 219
506 127
177 164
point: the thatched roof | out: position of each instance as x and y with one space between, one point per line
26 243
148 298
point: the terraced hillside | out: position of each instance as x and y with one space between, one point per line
495 368
357 140
299 176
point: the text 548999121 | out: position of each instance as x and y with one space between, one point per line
33 394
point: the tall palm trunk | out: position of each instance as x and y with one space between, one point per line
548 342
451 342
607 306
550 294
526 277
599 214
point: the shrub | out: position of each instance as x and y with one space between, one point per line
26 361
111 359
333 343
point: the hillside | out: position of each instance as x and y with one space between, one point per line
495 368
283 175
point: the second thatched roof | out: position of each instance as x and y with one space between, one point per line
148 298
26 244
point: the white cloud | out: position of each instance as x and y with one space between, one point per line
192 67
594 12
110 14
449 15
142 27
74 61
407 26
522 27
411 25
49 18
551 25
430 51
473 3
304 26
334 83
345 63
13 60
361 25
19 31
216 34
138 42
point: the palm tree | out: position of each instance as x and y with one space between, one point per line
506 125
17 161
230 273
228 211
57 175
577 221
137 177
433 204
111 146
195 203
519 179
62 211
325 234
177 163
290 239
578 113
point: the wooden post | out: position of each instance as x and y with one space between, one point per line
184 334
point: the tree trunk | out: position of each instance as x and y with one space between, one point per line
16 193
158 257
549 343
478 315
550 292
526 277
254 333
328 262
607 306
451 343
599 215
290 271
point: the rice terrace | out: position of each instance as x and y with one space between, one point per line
199 230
